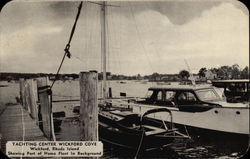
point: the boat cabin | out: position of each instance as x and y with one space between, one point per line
234 90
186 98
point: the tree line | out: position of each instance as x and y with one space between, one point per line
223 72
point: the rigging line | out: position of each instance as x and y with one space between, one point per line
78 58
93 25
74 26
89 42
140 143
120 38
138 33
115 39
146 3
102 4
148 24
108 42
96 33
58 71
84 15
66 50
101 67
108 46
51 119
88 33
101 43
91 31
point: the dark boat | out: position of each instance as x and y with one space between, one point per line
57 119
137 133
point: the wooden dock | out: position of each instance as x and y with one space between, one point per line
17 125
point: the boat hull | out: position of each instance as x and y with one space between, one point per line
221 119
112 133
132 141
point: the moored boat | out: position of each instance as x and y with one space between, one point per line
137 133
198 107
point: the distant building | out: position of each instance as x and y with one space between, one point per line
196 77
209 75
139 77
170 77
52 77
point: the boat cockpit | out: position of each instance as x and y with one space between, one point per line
185 99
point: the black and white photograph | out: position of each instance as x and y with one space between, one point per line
124 79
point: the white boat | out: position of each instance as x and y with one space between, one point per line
201 107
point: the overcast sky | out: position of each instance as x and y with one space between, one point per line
143 37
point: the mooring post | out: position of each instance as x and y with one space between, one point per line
44 110
26 96
32 99
21 86
88 106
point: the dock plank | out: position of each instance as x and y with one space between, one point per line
14 121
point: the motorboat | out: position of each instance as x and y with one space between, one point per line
198 107
137 133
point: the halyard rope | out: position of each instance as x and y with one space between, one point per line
139 146
66 50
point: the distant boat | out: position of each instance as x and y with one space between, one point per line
11 81
144 82
163 83
185 83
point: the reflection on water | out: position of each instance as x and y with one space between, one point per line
219 147
69 130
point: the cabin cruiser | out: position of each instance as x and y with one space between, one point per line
198 107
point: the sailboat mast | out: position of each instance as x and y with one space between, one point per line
103 47
191 74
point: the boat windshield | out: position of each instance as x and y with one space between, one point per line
208 95
149 94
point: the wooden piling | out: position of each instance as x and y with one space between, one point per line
44 112
21 85
32 99
88 106
26 96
